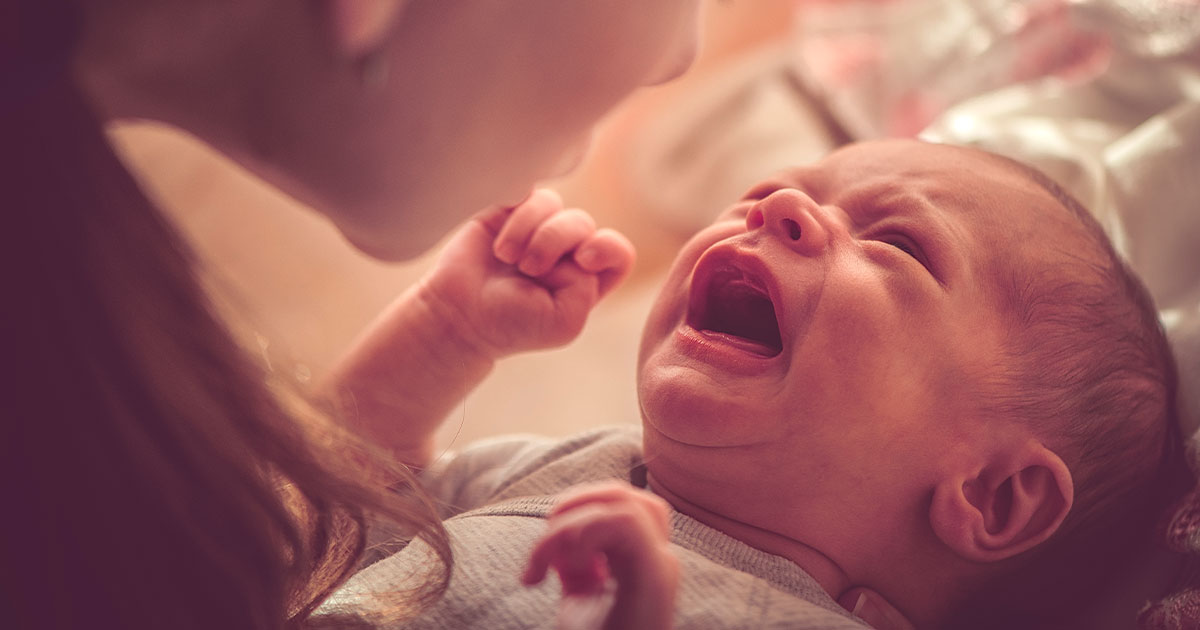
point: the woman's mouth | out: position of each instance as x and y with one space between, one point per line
733 306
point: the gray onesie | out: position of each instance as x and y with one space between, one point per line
496 495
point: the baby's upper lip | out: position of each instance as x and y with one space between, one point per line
726 272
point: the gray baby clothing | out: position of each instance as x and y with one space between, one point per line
496 495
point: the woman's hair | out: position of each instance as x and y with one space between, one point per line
153 474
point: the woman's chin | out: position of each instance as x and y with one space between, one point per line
386 249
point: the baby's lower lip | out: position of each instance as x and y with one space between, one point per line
740 343
726 352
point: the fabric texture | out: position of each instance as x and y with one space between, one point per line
495 497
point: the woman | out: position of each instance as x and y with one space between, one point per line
157 477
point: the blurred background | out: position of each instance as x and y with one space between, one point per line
778 82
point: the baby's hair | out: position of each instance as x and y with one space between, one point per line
1087 364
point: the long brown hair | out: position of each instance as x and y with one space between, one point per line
153 475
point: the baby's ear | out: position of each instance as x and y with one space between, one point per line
359 26
1014 503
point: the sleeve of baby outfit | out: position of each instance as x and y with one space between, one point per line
463 481
458 482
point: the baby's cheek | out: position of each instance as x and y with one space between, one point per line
665 314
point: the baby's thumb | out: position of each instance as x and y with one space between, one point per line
872 608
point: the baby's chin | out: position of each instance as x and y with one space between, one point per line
688 412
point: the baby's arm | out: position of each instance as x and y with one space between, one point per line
512 279
604 530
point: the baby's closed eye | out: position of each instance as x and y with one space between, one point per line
907 245
903 244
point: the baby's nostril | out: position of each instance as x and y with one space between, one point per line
793 229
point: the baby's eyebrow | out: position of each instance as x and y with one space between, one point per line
869 204
927 219
917 195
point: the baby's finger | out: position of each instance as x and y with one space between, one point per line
611 492
581 570
872 608
539 563
557 235
575 545
513 238
591 543
624 533
610 255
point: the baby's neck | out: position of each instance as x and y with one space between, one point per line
821 567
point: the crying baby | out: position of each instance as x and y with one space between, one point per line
913 368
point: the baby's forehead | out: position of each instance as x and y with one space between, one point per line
894 166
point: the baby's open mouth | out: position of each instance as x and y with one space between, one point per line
736 307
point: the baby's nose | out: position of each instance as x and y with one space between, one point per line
791 216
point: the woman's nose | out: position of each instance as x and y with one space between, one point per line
790 216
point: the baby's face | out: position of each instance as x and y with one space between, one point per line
825 336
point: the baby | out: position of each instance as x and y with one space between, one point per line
914 369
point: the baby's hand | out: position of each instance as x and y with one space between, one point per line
604 530
872 608
525 278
